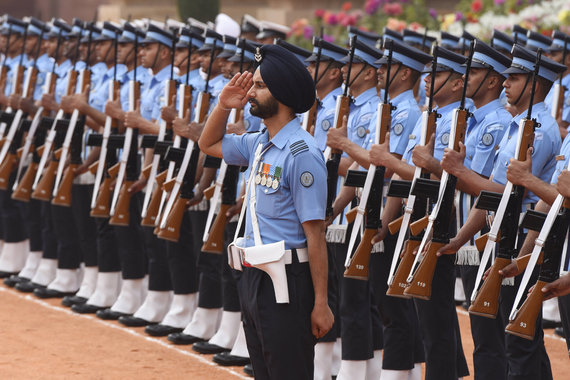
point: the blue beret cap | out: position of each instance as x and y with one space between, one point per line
130 33
486 57
559 41
364 54
59 26
368 38
519 34
501 41
535 41
449 41
300 53
109 32
329 52
187 36
286 77
248 51
229 47
14 25
448 61
411 37
37 28
524 60
154 34
407 55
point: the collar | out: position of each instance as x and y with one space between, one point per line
536 109
480 113
448 108
365 96
403 97
282 137
162 75
332 95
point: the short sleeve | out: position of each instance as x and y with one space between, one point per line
482 161
237 150
403 124
308 178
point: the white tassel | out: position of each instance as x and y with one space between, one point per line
508 281
467 255
336 233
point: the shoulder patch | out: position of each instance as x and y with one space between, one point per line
568 101
398 129
326 124
487 139
307 179
445 138
298 147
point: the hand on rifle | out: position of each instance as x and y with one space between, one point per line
234 94
380 153
80 101
235 209
452 161
450 248
197 198
133 118
4 100
563 184
519 171
138 185
114 109
510 270
237 128
180 126
14 101
67 103
28 106
560 287
422 155
337 137
381 234
81 169
168 113
49 103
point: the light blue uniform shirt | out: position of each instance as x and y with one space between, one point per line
250 123
12 64
561 160
215 87
152 98
97 70
62 72
44 64
301 193
362 110
422 90
486 128
143 78
546 146
404 119
565 103
100 90
325 117
443 129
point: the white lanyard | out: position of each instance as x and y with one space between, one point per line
252 198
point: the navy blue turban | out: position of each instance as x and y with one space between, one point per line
286 77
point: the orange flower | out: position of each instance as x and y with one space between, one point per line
346 6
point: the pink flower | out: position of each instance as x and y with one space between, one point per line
372 6
308 32
393 9
348 20
346 6
433 13
319 13
499 2
331 19
328 38
458 16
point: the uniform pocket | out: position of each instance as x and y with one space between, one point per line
268 200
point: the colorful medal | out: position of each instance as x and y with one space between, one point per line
277 176
258 175
270 177
266 168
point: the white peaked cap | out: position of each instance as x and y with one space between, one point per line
225 25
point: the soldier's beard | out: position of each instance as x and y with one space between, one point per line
264 110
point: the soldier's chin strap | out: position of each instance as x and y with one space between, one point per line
489 70
155 57
528 77
395 74
357 75
443 84
128 55
324 71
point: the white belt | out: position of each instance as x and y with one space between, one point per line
302 255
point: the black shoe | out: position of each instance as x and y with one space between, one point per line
183 339
14 280
28 287
85 308
51 293
69 301
110 315
560 332
248 369
548 324
162 330
132 321
7 274
208 348
226 359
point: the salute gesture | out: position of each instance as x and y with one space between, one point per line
234 94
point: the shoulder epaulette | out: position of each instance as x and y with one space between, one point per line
298 147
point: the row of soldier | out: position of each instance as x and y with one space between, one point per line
160 274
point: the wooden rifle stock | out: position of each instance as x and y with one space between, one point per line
419 225
215 242
209 192
172 230
6 169
343 111
524 324
560 105
152 212
421 284
351 215
45 185
122 214
395 225
527 139
399 284
29 90
358 268
3 77
63 195
146 171
312 118
522 261
481 241
169 185
24 189
486 304
103 203
19 80
204 107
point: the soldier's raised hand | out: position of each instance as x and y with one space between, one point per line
234 94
